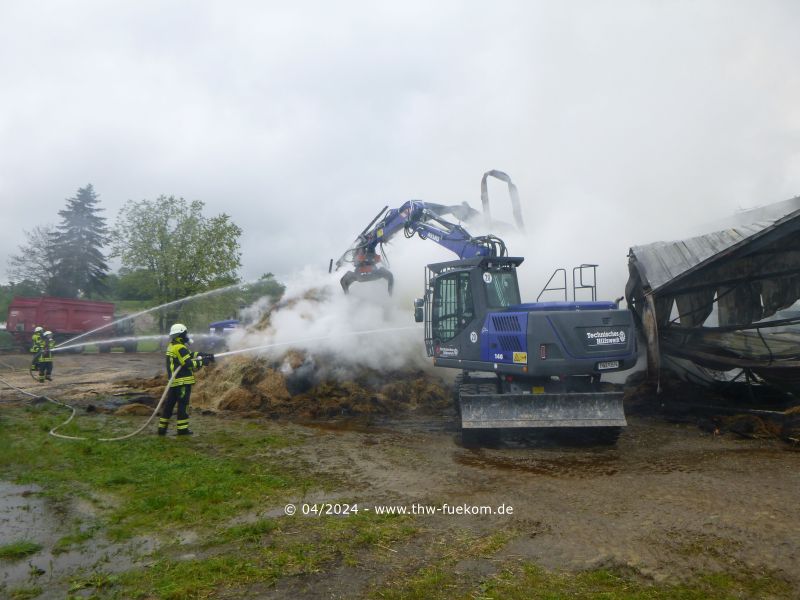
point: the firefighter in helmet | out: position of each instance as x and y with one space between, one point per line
46 356
181 366
36 347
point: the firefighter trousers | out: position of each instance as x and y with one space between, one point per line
45 369
177 395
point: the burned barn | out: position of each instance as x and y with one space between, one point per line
725 304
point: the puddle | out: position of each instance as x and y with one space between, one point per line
25 514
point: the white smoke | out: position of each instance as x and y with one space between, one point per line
367 328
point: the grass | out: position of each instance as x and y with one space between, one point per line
25 593
264 552
534 582
77 538
438 579
148 346
19 549
441 578
530 582
157 484
141 346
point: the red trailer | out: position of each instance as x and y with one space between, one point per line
65 317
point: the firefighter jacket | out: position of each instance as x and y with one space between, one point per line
186 362
36 342
46 347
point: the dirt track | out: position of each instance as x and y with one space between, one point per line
667 502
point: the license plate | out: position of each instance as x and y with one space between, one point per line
610 364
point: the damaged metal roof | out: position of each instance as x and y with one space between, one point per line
665 264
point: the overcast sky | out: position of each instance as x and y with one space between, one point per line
621 122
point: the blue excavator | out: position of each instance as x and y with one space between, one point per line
521 365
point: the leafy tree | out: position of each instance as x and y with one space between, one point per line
228 304
266 285
131 284
36 262
184 251
77 243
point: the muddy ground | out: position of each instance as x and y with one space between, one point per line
671 499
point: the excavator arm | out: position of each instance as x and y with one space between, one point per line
414 217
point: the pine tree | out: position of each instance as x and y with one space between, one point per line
78 242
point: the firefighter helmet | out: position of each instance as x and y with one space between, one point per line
38 330
178 330
48 334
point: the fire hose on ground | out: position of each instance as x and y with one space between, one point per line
54 430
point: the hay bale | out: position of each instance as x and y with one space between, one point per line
791 427
294 359
153 386
421 392
213 385
751 426
239 399
272 387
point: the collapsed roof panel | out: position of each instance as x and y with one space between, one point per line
716 299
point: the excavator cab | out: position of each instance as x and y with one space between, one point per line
459 294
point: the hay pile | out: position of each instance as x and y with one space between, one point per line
714 410
300 388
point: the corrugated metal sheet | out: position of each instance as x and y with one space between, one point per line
663 262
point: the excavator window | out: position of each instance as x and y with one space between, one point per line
453 308
502 289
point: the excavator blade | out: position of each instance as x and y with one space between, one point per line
497 411
352 277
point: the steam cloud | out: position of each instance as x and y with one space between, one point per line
315 317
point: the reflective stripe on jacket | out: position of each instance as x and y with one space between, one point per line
186 362
46 349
